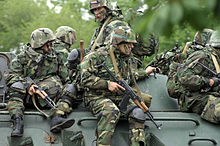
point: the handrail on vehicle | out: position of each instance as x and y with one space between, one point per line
156 119
202 139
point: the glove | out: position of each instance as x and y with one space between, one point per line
216 81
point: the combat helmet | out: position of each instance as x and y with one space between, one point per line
66 34
123 34
215 40
41 36
99 3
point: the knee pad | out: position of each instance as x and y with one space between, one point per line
71 89
138 114
18 86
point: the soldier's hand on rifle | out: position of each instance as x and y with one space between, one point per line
32 89
115 87
150 69
214 82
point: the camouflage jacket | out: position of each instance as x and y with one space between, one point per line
95 79
105 38
165 59
36 65
194 79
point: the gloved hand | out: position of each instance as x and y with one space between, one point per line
216 81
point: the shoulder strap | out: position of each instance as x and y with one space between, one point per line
112 56
186 48
102 29
215 63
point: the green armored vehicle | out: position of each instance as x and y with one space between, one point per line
178 128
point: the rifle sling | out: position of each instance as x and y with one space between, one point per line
186 48
134 80
215 63
112 56
34 102
102 29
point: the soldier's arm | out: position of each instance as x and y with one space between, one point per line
18 71
191 74
89 73
62 69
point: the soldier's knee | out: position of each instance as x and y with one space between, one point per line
217 111
70 93
138 114
211 112
17 87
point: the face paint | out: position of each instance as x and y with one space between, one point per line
126 48
100 13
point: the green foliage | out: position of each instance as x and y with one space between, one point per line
19 18
173 21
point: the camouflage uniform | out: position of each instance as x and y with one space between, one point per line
115 21
169 58
105 104
174 60
45 68
141 48
194 91
65 38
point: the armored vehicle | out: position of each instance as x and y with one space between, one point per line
178 128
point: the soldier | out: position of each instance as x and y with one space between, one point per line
198 80
39 62
103 95
65 38
178 54
108 19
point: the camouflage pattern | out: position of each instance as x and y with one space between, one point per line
66 35
46 69
105 37
103 103
99 3
123 34
202 38
215 39
41 36
140 50
195 94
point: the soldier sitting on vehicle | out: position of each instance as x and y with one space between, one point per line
103 95
65 38
178 54
36 67
198 81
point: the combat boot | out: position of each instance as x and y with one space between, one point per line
18 128
58 123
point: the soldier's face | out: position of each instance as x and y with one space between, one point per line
100 13
126 48
48 47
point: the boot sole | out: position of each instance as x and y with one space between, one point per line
65 124
16 135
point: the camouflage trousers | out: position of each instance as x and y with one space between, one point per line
207 106
52 86
108 115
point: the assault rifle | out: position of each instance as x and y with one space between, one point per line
130 94
210 70
42 94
